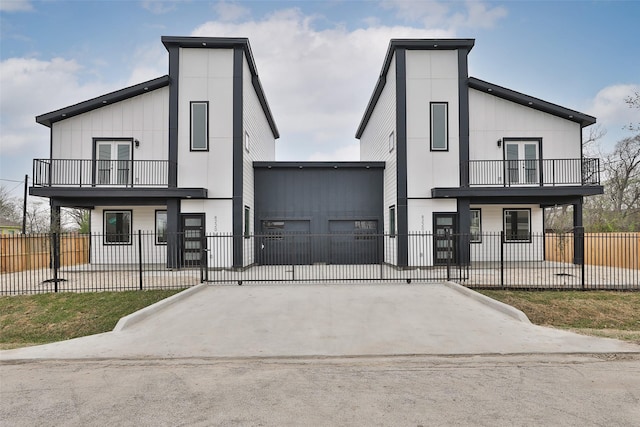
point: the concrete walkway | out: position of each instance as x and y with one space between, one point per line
322 320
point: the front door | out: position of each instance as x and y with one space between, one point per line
444 247
113 163
193 242
521 162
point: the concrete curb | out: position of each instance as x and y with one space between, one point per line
496 305
133 318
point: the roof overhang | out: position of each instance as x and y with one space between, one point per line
529 101
511 194
319 165
120 95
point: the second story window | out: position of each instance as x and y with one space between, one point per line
439 126
199 126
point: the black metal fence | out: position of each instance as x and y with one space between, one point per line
144 260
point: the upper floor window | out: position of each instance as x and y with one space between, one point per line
199 125
439 126
246 141
392 141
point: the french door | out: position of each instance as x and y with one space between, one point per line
522 162
113 163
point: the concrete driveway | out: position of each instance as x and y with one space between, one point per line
322 320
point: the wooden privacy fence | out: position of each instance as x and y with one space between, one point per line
609 249
31 251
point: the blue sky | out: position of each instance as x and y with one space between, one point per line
318 60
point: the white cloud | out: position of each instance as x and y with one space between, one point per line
318 82
610 108
446 14
230 12
31 87
16 6
159 7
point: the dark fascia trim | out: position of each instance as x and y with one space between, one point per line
510 193
318 165
408 44
529 101
120 95
120 193
228 43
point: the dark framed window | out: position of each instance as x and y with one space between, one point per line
247 222
392 221
199 125
392 141
117 227
517 225
161 227
247 141
439 126
476 226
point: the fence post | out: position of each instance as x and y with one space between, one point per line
56 259
449 243
579 247
140 257
502 259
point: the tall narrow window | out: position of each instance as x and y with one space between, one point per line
246 141
392 221
117 227
247 222
439 126
392 141
517 225
476 226
199 126
161 227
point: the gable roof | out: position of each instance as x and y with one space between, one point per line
531 102
48 119
228 43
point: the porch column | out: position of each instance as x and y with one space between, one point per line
578 233
54 232
174 240
464 229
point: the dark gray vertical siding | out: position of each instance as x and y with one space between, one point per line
319 196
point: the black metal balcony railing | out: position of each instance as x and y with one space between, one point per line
535 172
103 173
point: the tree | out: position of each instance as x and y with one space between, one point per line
79 219
634 102
9 207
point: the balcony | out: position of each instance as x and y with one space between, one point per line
79 173
534 173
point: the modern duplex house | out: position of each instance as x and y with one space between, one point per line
171 154
193 152
467 156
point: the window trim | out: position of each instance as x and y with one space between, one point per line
104 227
392 221
206 104
446 126
247 222
504 226
479 239
157 235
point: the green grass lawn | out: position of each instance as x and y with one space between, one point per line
43 318
600 313
38 319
